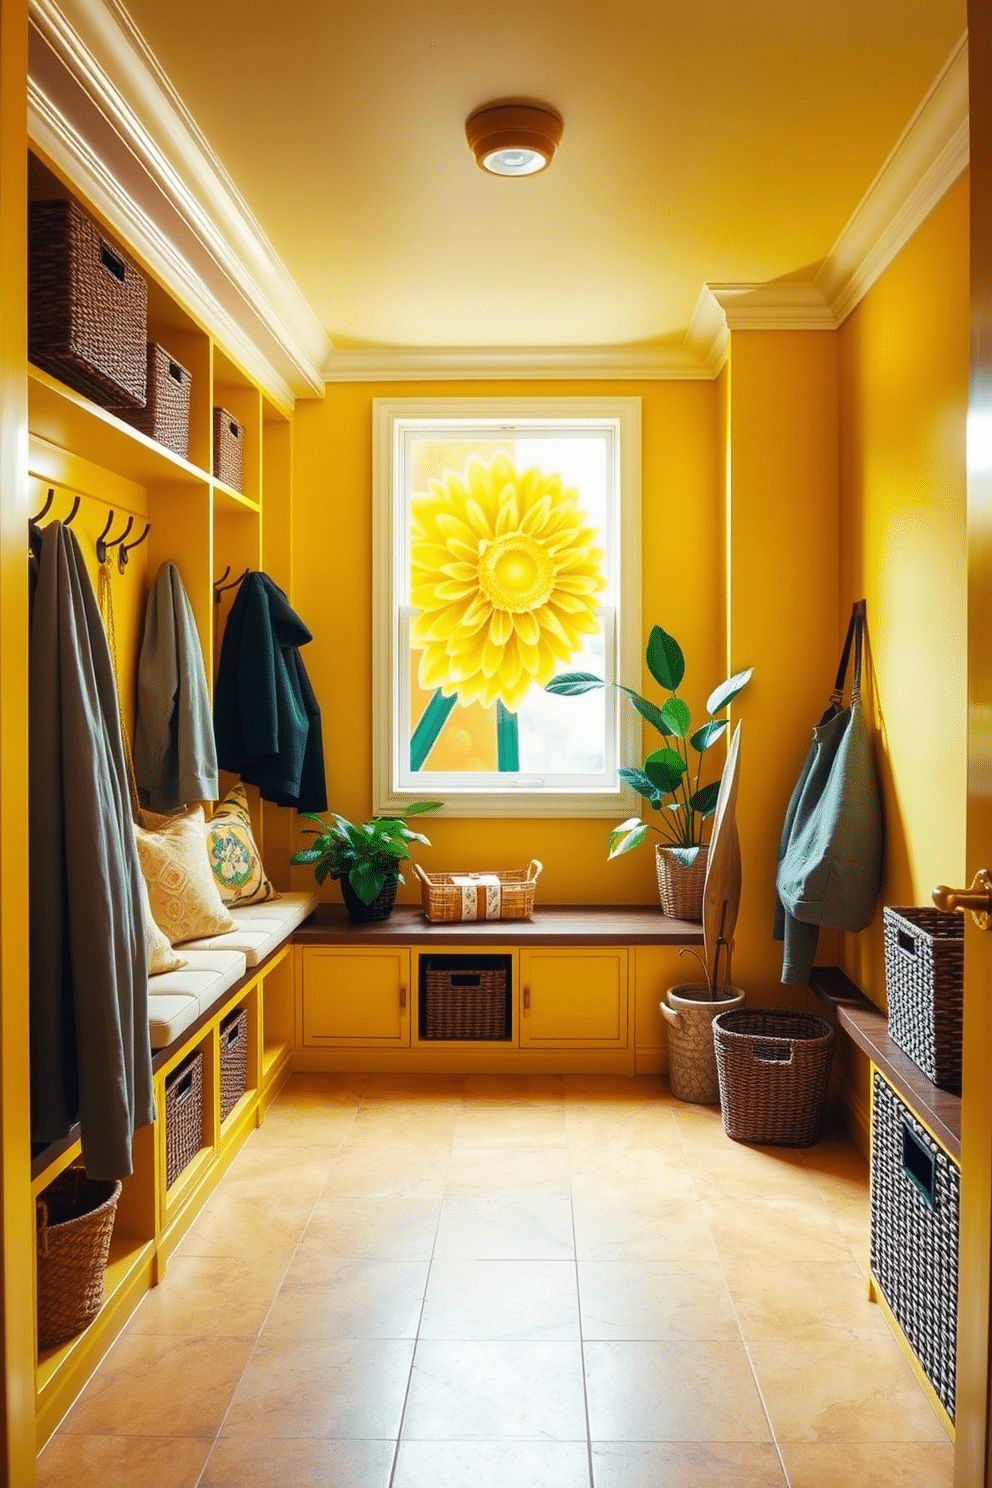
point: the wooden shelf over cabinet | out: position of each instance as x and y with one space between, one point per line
550 925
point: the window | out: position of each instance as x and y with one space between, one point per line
506 553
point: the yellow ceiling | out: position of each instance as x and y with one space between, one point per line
720 141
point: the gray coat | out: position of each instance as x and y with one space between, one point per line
90 1051
175 759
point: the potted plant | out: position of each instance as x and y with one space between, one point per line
365 859
670 778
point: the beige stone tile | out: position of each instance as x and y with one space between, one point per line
880 1465
348 1389
122 1462
415 1087
406 1124
862 1394
599 1090
511 1124
483 1227
493 1300
209 1296
493 1391
614 1175
838 1169
499 1464
543 1091
372 1229
359 1171
803 1302
353 1299
323 1090
266 1227
256 1462
509 1171
687 1465
641 1231
637 1128
307 1125
148 1385
677 1299
733 1171
671 1391
260 1159
750 1232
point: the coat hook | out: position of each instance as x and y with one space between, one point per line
47 506
102 545
220 589
71 517
218 582
126 547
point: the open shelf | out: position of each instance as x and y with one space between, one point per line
272 1053
126 1257
228 499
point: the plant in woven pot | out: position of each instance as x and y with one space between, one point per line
365 859
670 778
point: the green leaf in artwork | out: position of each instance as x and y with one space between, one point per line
665 660
665 768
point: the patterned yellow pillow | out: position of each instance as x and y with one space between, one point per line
234 856
184 898
161 956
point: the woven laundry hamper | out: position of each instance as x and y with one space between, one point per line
75 1222
774 1071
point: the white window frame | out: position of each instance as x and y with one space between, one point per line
392 420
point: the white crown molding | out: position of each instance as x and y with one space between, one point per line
484 364
198 212
779 305
707 339
927 159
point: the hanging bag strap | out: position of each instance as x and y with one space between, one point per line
856 628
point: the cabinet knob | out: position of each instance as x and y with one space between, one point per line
402 997
526 999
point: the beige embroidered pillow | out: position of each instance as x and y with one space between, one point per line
234 858
184 898
161 956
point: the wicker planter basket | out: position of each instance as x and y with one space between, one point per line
466 1001
233 1060
183 1116
165 416
774 1070
360 913
924 984
689 1012
87 307
229 449
679 888
505 895
75 1222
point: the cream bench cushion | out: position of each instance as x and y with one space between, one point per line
260 927
177 998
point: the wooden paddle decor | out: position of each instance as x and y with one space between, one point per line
722 893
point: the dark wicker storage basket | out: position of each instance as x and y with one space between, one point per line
183 1116
165 416
915 1215
924 985
75 1222
229 449
774 1070
87 306
233 1060
468 1002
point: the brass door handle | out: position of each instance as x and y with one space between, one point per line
978 898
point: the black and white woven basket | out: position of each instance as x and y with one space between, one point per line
924 987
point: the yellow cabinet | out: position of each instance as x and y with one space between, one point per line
355 996
573 999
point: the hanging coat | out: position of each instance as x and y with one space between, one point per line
266 717
175 762
90 1050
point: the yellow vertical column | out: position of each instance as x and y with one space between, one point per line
17 1398
782 556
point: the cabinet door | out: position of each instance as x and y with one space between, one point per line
573 999
357 997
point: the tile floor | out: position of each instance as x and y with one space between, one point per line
510 1282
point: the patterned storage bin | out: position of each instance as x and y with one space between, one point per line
924 986
229 449
183 1116
915 1215
233 1060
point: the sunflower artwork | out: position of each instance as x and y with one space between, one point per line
505 579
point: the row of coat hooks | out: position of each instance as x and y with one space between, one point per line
104 542
221 588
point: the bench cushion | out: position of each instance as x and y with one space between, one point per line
177 998
260 928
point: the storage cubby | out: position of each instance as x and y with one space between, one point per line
465 998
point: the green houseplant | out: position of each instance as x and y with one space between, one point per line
365 859
670 778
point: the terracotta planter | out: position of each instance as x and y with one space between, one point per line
689 1013
381 907
679 888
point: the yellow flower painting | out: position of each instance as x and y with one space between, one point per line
505 574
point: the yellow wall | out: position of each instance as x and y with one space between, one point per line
682 589
904 389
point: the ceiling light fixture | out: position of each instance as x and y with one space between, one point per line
514 137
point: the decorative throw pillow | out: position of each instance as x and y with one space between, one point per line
161 956
184 898
234 856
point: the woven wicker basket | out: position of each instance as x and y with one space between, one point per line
774 1070
229 449
75 1222
924 984
680 889
508 895
233 1060
87 306
915 1220
165 416
464 1002
183 1116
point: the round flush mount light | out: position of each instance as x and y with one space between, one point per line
514 137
